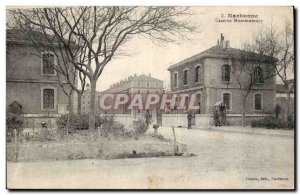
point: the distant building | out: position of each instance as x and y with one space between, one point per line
86 98
142 84
209 75
31 82
281 97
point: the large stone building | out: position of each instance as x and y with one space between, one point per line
142 84
30 81
209 74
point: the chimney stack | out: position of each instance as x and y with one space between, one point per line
222 42
149 74
227 44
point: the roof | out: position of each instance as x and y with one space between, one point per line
144 77
218 51
25 35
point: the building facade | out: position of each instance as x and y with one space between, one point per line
210 75
31 81
142 84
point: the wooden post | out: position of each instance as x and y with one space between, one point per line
99 140
175 144
16 145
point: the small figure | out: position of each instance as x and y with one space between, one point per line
217 118
155 127
190 116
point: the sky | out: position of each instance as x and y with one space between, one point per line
147 57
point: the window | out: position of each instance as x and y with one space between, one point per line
197 74
257 102
175 79
48 98
148 84
258 75
226 100
139 91
225 72
185 77
156 85
48 62
139 84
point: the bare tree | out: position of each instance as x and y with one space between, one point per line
102 32
252 68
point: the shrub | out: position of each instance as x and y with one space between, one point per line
76 122
13 121
110 126
273 123
140 127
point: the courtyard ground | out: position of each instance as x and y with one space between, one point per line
234 158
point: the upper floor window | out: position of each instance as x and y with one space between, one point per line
148 84
139 84
257 102
48 98
185 77
258 75
197 74
225 72
48 62
156 85
227 100
175 79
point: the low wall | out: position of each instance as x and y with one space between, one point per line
207 120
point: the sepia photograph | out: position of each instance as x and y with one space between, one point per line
150 97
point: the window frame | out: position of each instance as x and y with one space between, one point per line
198 76
223 73
261 101
177 79
55 98
187 77
254 75
230 100
42 63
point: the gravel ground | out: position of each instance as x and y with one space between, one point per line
225 159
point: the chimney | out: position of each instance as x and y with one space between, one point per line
222 42
149 74
227 44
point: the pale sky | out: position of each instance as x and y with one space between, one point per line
149 58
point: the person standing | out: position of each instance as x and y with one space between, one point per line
190 116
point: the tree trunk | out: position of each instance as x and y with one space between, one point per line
79 97
287 112
71 110
243 111
92 106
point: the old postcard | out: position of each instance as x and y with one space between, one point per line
150 97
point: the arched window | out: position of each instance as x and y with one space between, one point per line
227 100
47 64
257 102
185 77
175 79
258 75
197 74
48 98
225 72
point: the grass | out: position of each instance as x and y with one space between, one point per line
88 145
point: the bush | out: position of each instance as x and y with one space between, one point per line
273 123
110 126
13 121
140 127
76 122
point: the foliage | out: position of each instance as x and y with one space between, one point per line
139 127
13 121
273 123
110 126
76 122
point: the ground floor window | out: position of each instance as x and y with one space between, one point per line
48 98
257 101
226 100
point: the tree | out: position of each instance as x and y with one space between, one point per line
102 32
252 67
